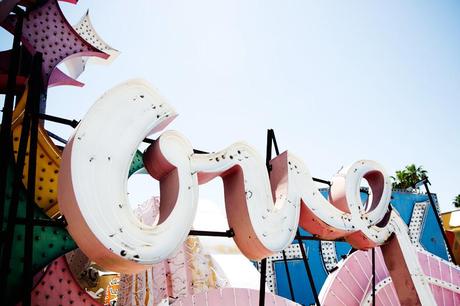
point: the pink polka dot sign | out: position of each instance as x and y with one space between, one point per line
58 287
46 30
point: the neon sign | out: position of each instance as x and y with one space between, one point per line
264 211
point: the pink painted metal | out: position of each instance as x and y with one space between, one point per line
58 78
232 297
85 29
158 166
338 198
188 271
402 278
179 270
169 278
351 283
148 212
58 287
151 287
443 277
46 30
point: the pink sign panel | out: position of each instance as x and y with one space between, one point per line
46 30
232 297
58 287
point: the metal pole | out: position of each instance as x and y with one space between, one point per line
41 222
5 131
56 137
271 138
35 98
263 276
268 152
17 183
307 268
263 268
322 181
288 274
228 233
12 214
373 276
438 219
73 123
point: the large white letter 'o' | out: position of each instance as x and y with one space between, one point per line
93 182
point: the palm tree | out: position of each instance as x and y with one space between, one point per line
409 176
457 201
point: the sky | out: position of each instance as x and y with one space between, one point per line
338 81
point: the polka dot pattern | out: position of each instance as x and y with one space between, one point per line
87 32
58 287
47 31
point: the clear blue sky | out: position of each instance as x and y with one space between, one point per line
337 80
